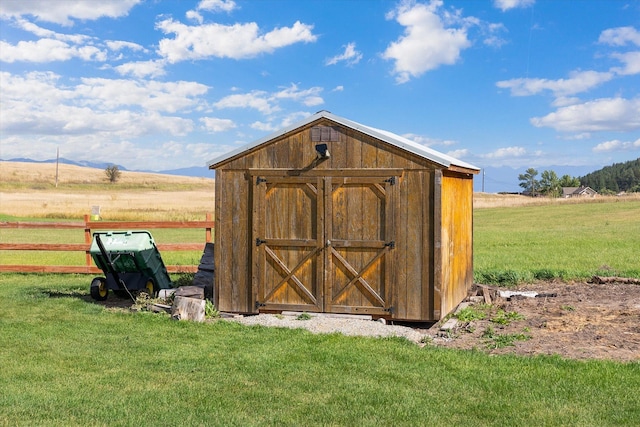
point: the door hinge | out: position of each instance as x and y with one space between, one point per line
260 180
389 309
260 304
391 244
391 180
259 241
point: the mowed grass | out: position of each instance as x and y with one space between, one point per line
68 361
564 241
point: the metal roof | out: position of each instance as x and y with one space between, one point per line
388 137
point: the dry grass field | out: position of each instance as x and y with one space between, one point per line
492 200
29 190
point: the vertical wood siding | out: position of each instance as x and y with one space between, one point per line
420 280
457 238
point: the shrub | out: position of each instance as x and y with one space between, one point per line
113 173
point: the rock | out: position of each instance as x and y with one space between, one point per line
449 325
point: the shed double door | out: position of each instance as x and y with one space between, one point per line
323 243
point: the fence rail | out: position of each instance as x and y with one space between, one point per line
88 226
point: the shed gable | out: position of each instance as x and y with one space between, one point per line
348 148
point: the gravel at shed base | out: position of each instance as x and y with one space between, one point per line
329 325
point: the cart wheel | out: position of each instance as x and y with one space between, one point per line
98 289
149 288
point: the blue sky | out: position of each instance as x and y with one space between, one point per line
158 85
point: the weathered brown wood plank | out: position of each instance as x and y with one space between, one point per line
344 172
415 222
427 246
438 294
224 258
79 269
40 225
76 247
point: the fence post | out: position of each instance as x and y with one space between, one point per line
208 229
87 240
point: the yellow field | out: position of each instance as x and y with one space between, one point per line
491 200
28 190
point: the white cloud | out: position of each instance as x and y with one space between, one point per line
507 152
53 46
292 118
150 95
217 5
266 127
34 29
258 100
620 36
39 104
287 121
117 45
427 43
631 61
605 114
141 69
617 145
62 12
309 97
505 5
47 50
338 88
458 154
267 103
350 55
237 41
577 136
579 81
195 16
213 124
426 141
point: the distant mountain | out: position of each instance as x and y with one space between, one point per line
194 171
496 180
64 161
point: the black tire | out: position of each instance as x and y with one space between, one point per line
98 289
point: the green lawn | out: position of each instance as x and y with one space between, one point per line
67 361
566 241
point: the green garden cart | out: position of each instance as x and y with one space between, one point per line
131 264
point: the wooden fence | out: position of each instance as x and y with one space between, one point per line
88 226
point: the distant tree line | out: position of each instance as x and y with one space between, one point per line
608 180
615 178
549 183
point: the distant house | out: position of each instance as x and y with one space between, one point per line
568 192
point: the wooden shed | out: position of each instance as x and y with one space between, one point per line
329 215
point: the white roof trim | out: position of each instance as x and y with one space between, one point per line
388 137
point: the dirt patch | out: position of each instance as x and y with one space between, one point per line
582 321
